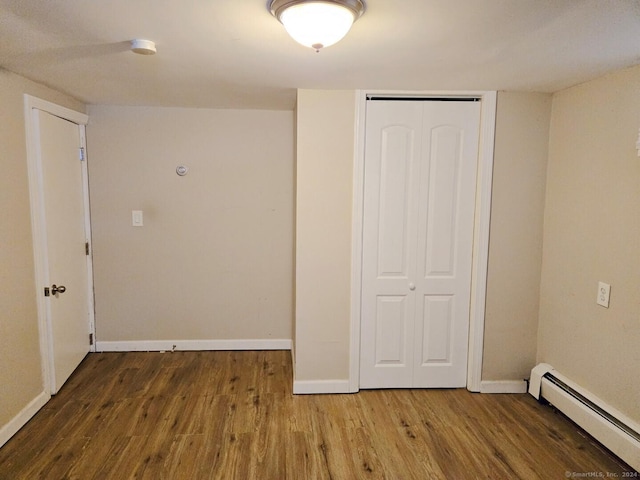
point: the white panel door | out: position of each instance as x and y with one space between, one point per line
419 202
450 137
63 197
390 232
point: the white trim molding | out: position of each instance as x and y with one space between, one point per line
480 234
481 240
356 240
177 345
503 386
313 387
17 422
78 118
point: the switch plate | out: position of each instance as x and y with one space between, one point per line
136 218
604 289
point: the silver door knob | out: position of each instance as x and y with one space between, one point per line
58 289
412 286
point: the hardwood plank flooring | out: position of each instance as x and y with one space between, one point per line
232 415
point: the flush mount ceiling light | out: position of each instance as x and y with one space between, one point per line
317 23
143 47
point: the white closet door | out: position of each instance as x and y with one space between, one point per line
390 232
419 202
450 135
59 142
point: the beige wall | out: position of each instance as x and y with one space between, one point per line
214 258
591 234
324 184
325 154
515 249
20 361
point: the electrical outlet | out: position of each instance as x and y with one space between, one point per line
604 289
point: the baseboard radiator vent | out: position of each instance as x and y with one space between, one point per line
611 428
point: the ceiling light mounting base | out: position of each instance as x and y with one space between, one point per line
277 7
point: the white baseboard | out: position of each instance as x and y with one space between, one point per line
503 386
16 423
168 345
304 387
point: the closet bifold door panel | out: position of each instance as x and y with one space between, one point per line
421 161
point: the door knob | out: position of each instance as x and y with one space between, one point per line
412 286
58 289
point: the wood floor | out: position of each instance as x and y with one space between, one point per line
231 415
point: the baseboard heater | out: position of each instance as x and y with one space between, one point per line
611 428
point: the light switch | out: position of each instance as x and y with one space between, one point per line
136 218
604 289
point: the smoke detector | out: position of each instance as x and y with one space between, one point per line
143 47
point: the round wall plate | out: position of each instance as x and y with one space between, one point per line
182 170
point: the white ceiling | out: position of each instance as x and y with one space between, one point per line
234 54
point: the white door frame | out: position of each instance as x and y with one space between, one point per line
38 226
480 231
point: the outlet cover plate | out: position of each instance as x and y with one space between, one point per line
604 290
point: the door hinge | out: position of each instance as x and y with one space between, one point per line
86 248
91 339
82 154
46 291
